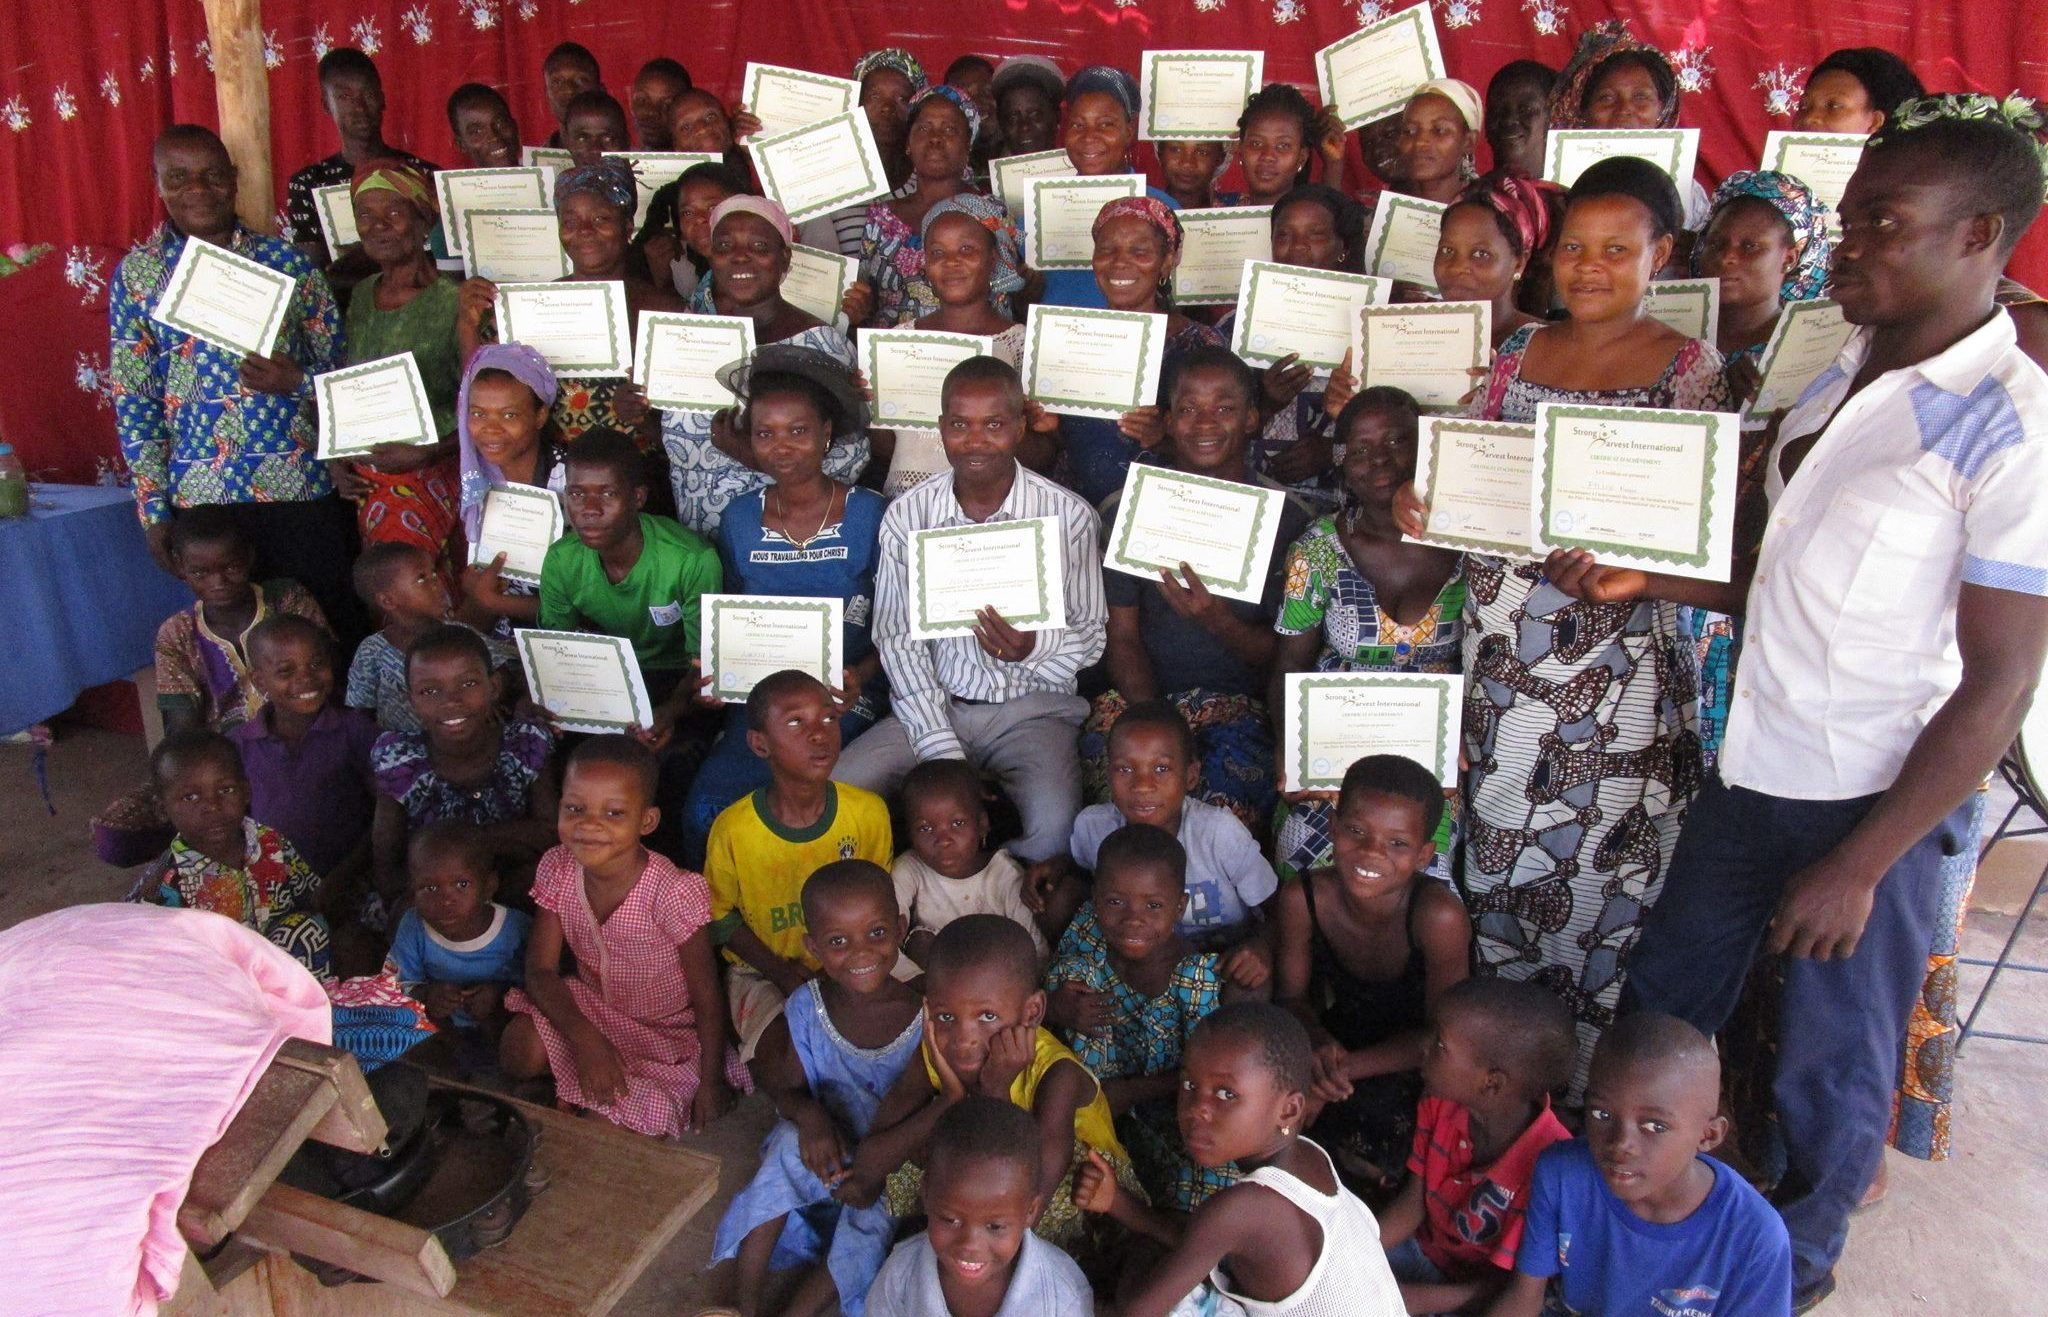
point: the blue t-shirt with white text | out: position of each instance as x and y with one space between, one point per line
1730 1258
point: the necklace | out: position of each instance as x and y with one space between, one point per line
789 533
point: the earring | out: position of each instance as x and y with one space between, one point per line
1285 1131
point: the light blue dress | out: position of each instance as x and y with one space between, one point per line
849 1082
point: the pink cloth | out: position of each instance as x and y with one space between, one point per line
129 1036
629 983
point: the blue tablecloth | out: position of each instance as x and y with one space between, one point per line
83 599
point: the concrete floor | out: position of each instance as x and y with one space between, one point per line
1959 1236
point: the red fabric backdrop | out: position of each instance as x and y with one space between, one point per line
88 86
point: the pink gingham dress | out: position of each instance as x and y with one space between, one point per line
629 983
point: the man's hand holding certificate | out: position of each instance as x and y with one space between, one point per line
1332 720
746 638
1080 361
365 406
580 327
1220 529
464 190
587 683
1012 567
1638 487
522 522
1430 350
226 299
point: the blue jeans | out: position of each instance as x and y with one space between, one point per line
1842 1023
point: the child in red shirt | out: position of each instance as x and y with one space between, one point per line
1497 1051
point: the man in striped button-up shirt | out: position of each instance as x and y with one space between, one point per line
1000 698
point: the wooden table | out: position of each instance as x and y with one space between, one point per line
616 1199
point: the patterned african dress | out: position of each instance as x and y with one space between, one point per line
1326 592
410 507
1581 730
404 768
271 891
1146 1036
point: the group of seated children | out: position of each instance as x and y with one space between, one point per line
1175 1072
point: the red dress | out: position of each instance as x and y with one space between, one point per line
629 984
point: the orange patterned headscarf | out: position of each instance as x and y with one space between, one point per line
385 174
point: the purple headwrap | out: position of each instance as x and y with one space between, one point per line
608 176
480 475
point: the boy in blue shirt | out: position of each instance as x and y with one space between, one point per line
1635 1219
456 949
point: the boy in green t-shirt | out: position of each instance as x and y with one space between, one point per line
623 572
765 845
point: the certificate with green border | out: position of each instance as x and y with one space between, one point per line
1283 309
745 638
226 299
1223 529
337 212
1088 361
1216 241
677 357
816 169
522 522
587 683
1008 175
817 281
1805 342
1333 720
580 327
1372 73
551 158
1059 223
1475 478
513 246
1403 240
784 98
1638 486
372 403
906 369
1014 567
1822 161
529 188
1690 306
1429 350
655 170
1571 151
1196 95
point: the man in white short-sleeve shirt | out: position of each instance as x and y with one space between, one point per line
1895 624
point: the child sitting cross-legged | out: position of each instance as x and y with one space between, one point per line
1498 1049
1152 770
843 1040
636 1032
766 844
1146 989
1288 1236
466 762
949 870
401 583
1636 1217
984 1035
457 950
1366 947
978 1256
222 860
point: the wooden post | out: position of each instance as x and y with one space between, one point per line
241 89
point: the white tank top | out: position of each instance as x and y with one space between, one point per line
1351 1277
